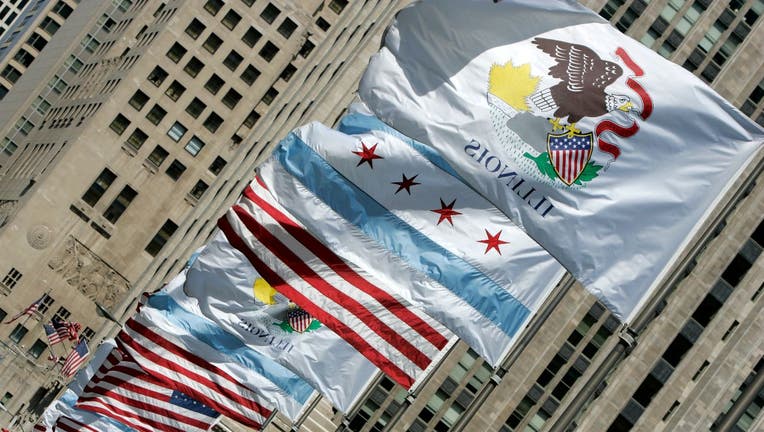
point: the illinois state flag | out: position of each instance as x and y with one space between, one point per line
605 153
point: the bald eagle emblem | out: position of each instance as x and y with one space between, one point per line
566 83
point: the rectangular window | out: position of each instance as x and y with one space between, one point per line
11 74
156 114
3 314
212 43
251 119
194 146
87 334
270 95
18 333
138 100
193 67
136 139
162 236
214 84
119 124
270 13
231 19
337 6
195 28
249 75
176 52
49 26
251 37
47 302
288 72
213 122
37 348
74 64
213 6
99 187
157 76
233 60
195 108
157 156
175 170
177 131
119 205
198 190
41 105
217 165
231 98
8 146
175 90
287 28
268 51
12 278
307 48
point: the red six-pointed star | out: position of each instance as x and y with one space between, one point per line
493 242
406 183
367 154
446 212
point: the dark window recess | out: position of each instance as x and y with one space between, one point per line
323 24
119 124
162 236
213 6
677 350
736 270
268 51
307 48
175 170
214 84
156 114
217 165
157 156
176 52
212 43
213 122
119 205
136 139
193 67
251 119
175 90
199 188
99 187
337 6
233 60
231 98
195 28
251 37
249 75
270 13
138 100
157 76
287 28
288 72
270 95
231 19
195 107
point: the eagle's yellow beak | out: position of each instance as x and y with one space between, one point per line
626 107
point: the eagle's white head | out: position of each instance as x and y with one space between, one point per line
618 102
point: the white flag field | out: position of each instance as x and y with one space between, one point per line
608 155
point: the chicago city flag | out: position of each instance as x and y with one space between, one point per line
605 153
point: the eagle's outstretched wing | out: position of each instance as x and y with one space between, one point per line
578 66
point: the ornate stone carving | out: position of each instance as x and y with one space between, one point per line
39 236
7 211
79 267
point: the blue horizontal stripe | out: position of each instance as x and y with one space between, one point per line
353 124
413 247
217 338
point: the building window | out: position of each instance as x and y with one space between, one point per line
37 348
307 48
268 51
251 119
62 9
213 6
217 165
175 90
195 108
195 28
337 6
156 114
49 26
194 146
8 146
251 37
270 13
136 139
41 105
87 334
157 76
193 67
12 278
99 187
119 124
212 43
6 398
18 333
231 98
119 205
176 52
249 75
175 170
198 190
214 84
287 28
11 74
231 19
213 122
3 314
270 95
233 60
24 57
248 2
177 131
288 72
322 24
160 239
138 100
157 156
47 302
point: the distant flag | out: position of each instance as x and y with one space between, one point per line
53 336
75 358
410 223
29 310
607 154
60 417
66 330
219 286
397 337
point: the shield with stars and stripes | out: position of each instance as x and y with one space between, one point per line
299 319
569 153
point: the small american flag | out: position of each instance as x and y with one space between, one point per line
569 155
299 319
67 330
53 336
30 310
75 358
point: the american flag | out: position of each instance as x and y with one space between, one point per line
299 319
569 155
75 358
53 336
68 424
30 310
67 330
150 361
398 338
